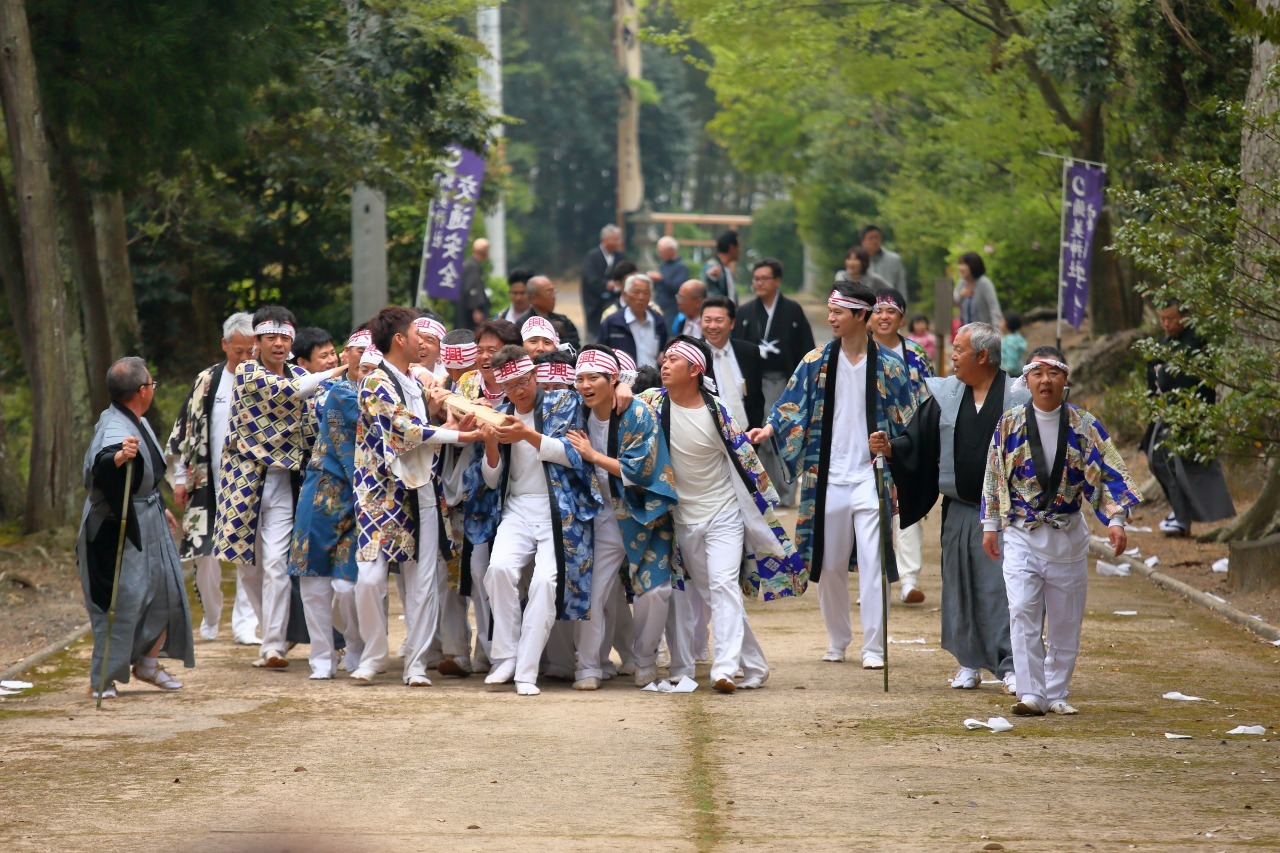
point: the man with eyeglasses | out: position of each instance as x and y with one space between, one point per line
778 327
533 497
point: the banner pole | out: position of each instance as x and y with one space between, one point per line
1062 245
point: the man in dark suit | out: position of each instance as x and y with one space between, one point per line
596 288
542 301
637 329
473 297
735 364
778 328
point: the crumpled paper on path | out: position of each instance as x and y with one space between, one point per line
995 724
684 685
1111 570
1248 730
1220 565
1182 697
1172 736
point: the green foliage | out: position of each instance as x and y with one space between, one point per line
1204 235
774 234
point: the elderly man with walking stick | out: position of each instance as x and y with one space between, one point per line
132 583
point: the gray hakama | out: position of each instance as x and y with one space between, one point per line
975 608
1195 492
152 598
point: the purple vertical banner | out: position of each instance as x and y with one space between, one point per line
445 243
1081 203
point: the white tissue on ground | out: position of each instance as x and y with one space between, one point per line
1220 565
1124 613
1151 561
1132 552
1111 570
684 685
1183 697
1248 730
1172 736
16 685
995 724
918 641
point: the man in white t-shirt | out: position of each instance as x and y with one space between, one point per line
194 450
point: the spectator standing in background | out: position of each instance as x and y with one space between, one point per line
597 288
1013 346
975 294
857 267
473 300
717 273
671 273
884 263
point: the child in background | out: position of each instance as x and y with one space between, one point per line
1013 346
918 331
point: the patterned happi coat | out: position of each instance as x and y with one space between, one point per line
324 528
386 509
190 443
571 490
919 368
1092 472
773 566
270 427
643 506
802 421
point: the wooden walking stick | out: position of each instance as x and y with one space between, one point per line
115 584
886 519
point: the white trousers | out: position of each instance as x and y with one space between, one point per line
246 611
852 515
421 603
712 553
593 636
455 632
622 627
907 542
275 531
317 607
209 585
515 636
650 609
1048 594
344 599
680 642
480 600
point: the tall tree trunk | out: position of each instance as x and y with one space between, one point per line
52 486
81 255
117 278
1260 169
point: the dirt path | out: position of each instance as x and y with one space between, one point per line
244 759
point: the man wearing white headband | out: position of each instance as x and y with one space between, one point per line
528 461
323 553
1046 460
457 355
633 530
944 450
539 336
271 431
887 318
398 504
840 394
431 334
724 510
193 452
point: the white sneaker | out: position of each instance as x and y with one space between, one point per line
872 662
588 683
834 656
755 682
208 632
418 681
524 688
1011 683
320 675
1172 526
628 668
966 679
502 672
248 640
1061 707
363 675
646 675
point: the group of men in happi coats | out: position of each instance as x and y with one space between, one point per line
577 513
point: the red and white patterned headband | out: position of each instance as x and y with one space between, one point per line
458 356
491 396
554 371
691 354
1043 361
428 326
886 302
539 327
372 355
597 361
513 370
271 327
626 368
362 338
838 298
